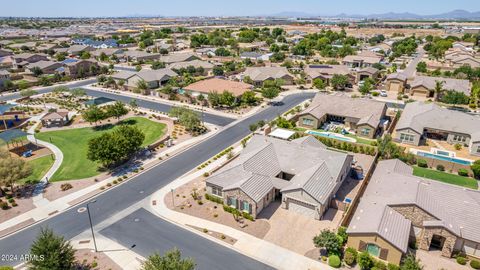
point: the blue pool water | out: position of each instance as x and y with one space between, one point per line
446 158
329 135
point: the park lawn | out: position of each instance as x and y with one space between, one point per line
74 145
40 167
446 177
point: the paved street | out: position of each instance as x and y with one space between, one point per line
70 223
159 235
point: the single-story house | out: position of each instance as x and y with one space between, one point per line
137 56
153 78
464 60
23 59
4 76
79 49
55 119
5 52
178 57
108 52
79 68
6 62
364 117
255 56
47 67
398 208
261 74
396 82
207 66
368 72
204 87
421 121
362 60
302 173
97 44
326 72
425 86
207 51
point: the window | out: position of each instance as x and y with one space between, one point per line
459 138
478 149
217 191
246 206
365 131
373 250
307 122
232 202
406 137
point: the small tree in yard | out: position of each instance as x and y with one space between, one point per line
270 92
339 81
319 84
133 104
186 117
53 252
476 168
328 240
93 114
410 263
12 169
171 260
365 261
142 86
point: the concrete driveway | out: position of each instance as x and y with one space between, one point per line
294 231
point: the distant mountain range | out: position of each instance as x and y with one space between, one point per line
458 14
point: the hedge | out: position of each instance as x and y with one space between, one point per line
213 198
334 261
422 163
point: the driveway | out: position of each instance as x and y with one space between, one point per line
294 231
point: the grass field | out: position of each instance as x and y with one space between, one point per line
446 177
40 167
74 145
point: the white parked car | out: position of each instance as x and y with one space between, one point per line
383 93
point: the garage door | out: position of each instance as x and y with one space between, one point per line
394 87
301 208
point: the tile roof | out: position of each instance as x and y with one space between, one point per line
255 170
458 85
266 73
219 85
455 208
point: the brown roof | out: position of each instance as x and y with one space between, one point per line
219 86
54 115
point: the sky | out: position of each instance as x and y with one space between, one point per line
108 8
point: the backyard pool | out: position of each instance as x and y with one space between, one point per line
331 135
445 158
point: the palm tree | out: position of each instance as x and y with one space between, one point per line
438 89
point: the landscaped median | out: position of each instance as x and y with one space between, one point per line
74 145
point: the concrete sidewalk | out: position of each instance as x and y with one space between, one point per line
46 208
246 244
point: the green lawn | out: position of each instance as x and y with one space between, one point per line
74 145
446 177
40 166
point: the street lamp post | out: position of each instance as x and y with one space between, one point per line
173 199
91 225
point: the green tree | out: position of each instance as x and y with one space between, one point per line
93 114
422 67
53 252
366 87
339 81
115 146
171 260
186 117
270 92
36 71
133 104
387 149
103 57
214 99
85 55
249 98
12 169
142 85
218 71
319 84
118 109
476 168
328 240
284 123
438 89
227 98
410 263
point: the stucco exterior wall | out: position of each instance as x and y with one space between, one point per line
316 122
416 136
394 255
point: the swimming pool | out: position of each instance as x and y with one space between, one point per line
445 158
331 135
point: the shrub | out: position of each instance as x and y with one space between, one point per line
349 258
458 147
205 230
94 264
223 236
334 261
200 202
462 172
4 206
392 266
213 198
66 186
11 200
461 260
364 260
109 184
247 216
422 163
342 232
475 264
380 265
115 182
215 215
440 167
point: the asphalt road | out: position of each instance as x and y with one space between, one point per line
207 117
79 84
147 240
71 223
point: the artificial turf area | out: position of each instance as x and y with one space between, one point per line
446 177
40 167
74 145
